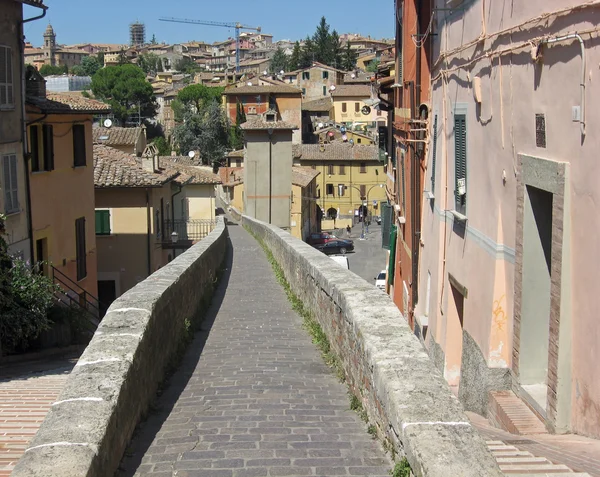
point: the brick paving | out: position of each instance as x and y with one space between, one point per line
253 397
27 391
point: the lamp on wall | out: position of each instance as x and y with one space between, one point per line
174 237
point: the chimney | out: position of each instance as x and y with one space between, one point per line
156 162
148 163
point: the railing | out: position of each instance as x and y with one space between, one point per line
182 233
74 295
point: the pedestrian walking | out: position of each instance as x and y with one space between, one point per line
348 229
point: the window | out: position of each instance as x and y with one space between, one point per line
357 107
363 167
363 191
303 91
325 75
329 189
157 223
103 222
330 169
324 90
34 147
540 130
48 146
344 108
306 75
10 183
80 248
7 99
313 166
460 162
341 190
433 154
342 169
79 145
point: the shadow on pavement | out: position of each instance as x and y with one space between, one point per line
146 430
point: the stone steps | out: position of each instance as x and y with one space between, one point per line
517 463
506 411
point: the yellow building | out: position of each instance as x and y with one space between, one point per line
62 189
351 177
349 101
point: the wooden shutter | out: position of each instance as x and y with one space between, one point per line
102 222
433 153
34 142
363 190
342 170
80 248
392 262
10 183
6 78
403 177
48 133
386 225
460 159
79 158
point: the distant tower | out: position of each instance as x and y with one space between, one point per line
137 34
49 46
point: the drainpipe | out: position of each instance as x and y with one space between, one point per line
148 232
24 128
572 36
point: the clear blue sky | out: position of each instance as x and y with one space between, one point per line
107 21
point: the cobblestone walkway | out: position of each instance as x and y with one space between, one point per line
252 397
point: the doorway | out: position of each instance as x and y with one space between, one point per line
535 307
41 256
107 293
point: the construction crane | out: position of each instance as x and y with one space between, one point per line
237 25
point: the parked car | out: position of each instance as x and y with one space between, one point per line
320 238
381 279
336 246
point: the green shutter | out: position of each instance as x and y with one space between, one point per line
102 222
392 262
386 225
460 159
433 154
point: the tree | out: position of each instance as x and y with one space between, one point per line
150 63
88 67
279 62
127 91
372 67
335 50
322 43
236 137
100 57
123 60
49 70
294 61
153 41
207 132
163 146
307 54
349 58
186 65
199 96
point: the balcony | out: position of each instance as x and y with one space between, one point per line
183 233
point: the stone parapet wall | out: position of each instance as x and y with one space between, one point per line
112 385
385 364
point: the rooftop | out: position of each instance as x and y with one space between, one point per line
260 123
114 168
231 176
72 102
189 174
359 90
276 89
336 152
116 136
321 104
302 176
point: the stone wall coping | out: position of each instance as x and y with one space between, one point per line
385 363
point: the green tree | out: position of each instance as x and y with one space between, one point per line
207 131
153 41
127 91
123 60
199 96
150 63
335 57
100 57
49 70
307 54
186 65
322 43
294 61
236 136
372 67
163 146
88 67
349 58
279 62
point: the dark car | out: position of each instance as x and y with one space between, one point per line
320 238
336 246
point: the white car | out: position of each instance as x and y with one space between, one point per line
380 280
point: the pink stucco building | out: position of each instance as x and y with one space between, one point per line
510 239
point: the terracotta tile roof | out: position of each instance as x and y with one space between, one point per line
196 175
260 123
35 3
231 176
114 168
322 104
72 102
238 153
185 160
116 136
336 152
302 176
276 89
362 90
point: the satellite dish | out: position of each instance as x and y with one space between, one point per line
191 154
249 83
343 129
332 87
344 138
351 142
281 72
320 125
265 73
365 110
352 76
107 123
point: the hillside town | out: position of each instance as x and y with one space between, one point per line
420 200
